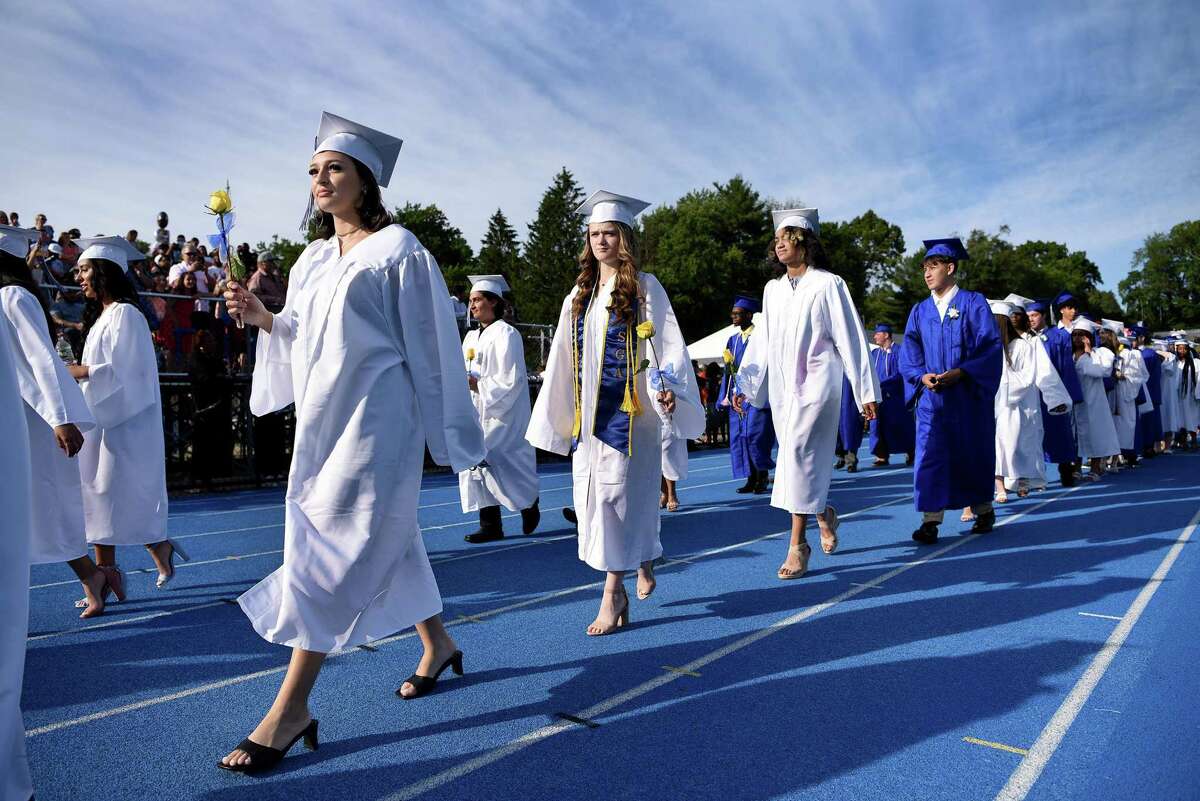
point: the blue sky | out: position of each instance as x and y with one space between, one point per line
1072 121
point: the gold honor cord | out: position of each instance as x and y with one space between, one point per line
630 405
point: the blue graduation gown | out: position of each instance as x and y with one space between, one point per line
893 429
1058 437
1150 428
956 427
850 423
751 436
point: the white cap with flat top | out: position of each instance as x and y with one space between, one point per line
1000 307
17 241
604 206
808 219
489 283
376 150
116 249
1018 302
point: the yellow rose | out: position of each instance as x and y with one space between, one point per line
645 330
219 202
727 356
471 354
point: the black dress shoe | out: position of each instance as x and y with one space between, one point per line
484 535
984 523
263 758
748 487
530 518
840 463
927 534
1066 474
569 514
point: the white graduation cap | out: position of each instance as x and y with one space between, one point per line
1000 307
116 249
1018 302
1114 326
1084 324
489 283
17 241
376 150
808 219
1124 340
604 206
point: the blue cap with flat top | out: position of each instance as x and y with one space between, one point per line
1065 298
950 248
883 328
1036 306
749 304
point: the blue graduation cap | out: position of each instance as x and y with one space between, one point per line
749 304
950 248
883 328
1036 306
1065 298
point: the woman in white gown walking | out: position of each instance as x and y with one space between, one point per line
495 359
811 338
1093 419
367 348
596 402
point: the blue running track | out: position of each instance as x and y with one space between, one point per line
1055 658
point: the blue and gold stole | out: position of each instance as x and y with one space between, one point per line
616 397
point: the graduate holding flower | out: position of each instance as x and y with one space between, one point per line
598 403
751 433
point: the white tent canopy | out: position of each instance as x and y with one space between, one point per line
711 347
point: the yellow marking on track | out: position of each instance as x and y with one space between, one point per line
998 746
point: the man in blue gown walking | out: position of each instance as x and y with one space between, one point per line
751 433
951 360
893 429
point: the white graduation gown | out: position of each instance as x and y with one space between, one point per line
122 465
1186 398
367 348
52 398
1123 399
15 781
1029 377
1093 419
615 495
674 455
502 406
1172 419
811 338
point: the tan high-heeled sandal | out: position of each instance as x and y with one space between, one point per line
804 551
829 543
653 582
622 619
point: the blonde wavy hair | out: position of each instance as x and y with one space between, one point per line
625 289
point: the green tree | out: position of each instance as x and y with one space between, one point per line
285 250
449 247
1163 285
554 243
501 253
867 252
706 248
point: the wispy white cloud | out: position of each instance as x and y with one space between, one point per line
1068 121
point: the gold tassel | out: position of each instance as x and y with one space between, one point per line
630 405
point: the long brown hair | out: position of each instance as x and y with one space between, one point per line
625 289
1008 333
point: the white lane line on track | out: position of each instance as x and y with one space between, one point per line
591 713
193 563
126 620
218 685
1026 775
1105 617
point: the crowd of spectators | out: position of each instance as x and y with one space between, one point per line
180 282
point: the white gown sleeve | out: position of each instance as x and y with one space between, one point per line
126 382
677 374
506 377
846 328
1087 365
553 419
1046 378
434 354
45 383
272 387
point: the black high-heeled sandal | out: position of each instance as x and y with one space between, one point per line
425 684
263 757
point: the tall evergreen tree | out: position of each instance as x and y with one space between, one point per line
501 253
551 250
